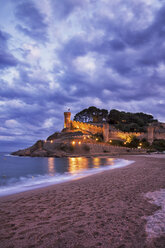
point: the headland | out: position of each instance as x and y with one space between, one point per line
91 139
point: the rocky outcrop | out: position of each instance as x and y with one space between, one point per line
60 145
39 152
55 149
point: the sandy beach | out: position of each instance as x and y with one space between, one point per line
112 209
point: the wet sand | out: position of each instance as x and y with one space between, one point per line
109 209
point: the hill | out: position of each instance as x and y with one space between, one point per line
124 121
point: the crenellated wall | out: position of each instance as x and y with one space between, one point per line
156 132
125 135
153 131
159 135
87 127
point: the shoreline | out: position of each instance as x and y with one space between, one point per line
103 210
63 178
42 181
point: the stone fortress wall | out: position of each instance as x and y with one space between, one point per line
124 135
153 132
156 132
87 127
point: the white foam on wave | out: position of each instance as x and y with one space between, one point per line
16 156
31 182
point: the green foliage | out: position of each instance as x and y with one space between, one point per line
97 136
158 145
129 122
124 121
117 143
134 143
145 143
92 114
56 135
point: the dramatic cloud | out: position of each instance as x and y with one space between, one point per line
33 21
6 58
77 53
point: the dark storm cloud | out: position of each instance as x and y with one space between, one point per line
154 32
76 46
124 34
117 45
153 54
41 92
34 91
33 21
135 93
107 46
4 37
32 103
62 9
6 58
146 52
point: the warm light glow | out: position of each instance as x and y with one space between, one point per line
51 168
96 162
110 141
110 161
127 137
73 142
79 142
140 144
78 163
73 160
97 139
84 137
51 141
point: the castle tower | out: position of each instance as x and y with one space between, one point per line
106 132
67 121
150 134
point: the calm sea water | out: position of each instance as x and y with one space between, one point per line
19 174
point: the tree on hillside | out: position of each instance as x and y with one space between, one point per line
129 122
124 121
92 114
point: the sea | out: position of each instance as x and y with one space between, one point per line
18 174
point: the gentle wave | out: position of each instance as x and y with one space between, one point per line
32 182
16 156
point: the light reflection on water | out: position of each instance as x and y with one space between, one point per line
22 173
110 161
51 166
96 162
77 164
16 167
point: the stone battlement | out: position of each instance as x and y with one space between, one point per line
153 132
87 127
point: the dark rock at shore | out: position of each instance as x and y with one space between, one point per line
43 149
62 147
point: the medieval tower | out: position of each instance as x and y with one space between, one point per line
67 120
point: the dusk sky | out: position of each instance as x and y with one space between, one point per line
60 54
